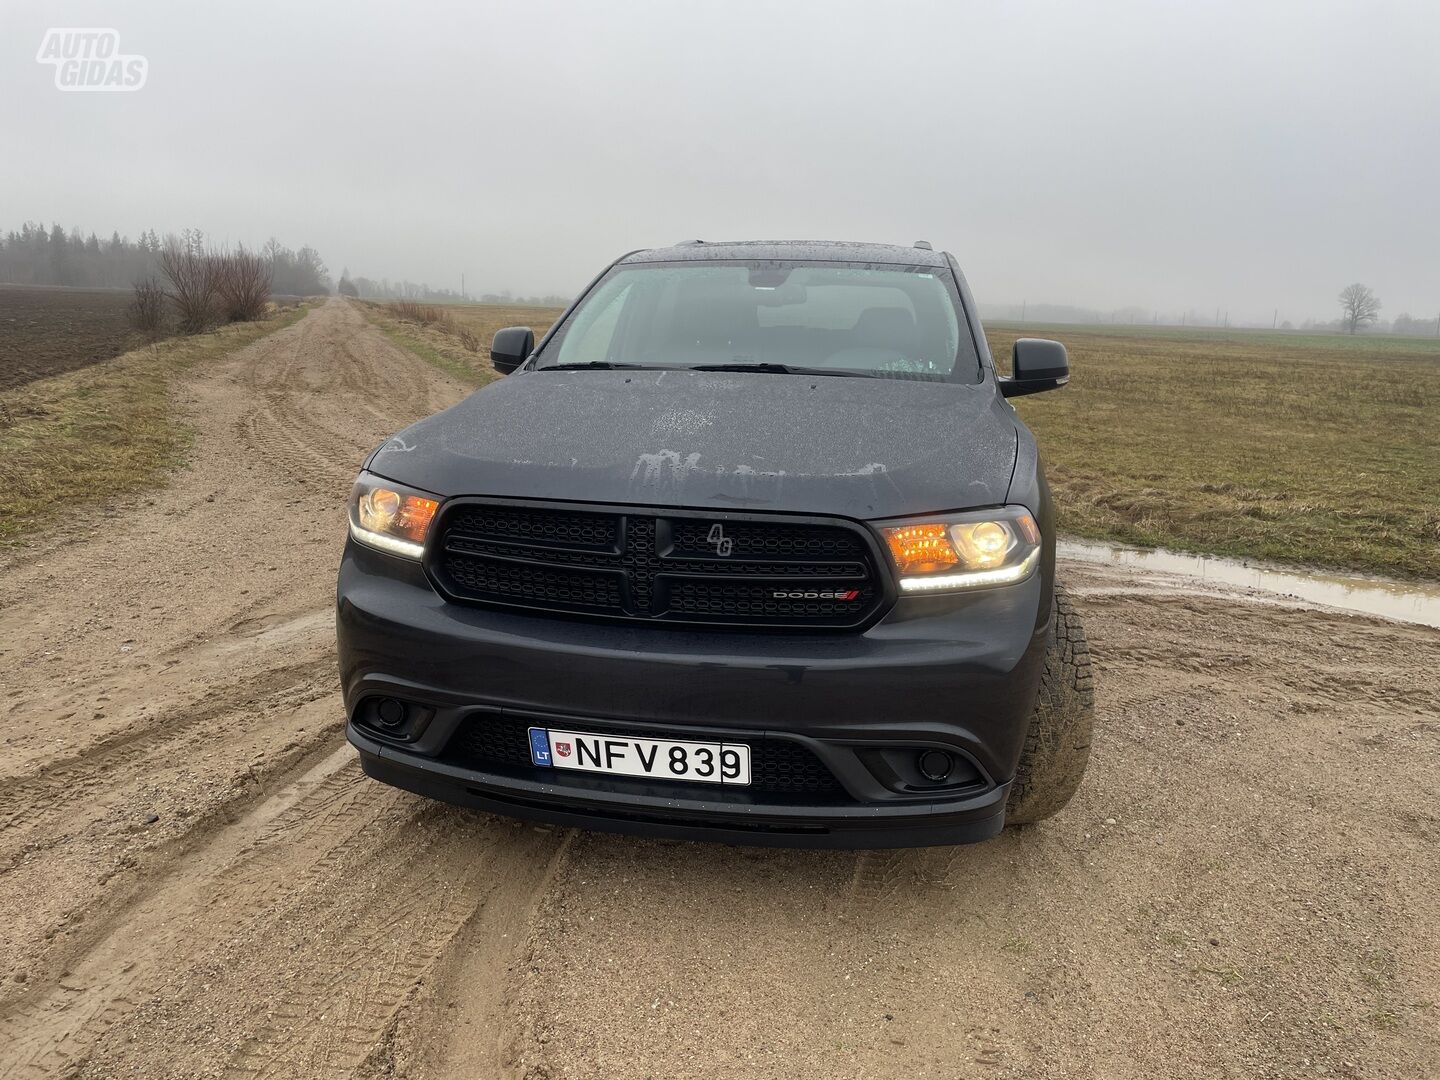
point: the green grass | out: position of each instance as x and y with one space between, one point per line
1314 449
103 431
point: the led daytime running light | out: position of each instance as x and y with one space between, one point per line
1005 576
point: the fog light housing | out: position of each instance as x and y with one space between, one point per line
391 719
935 765
391 713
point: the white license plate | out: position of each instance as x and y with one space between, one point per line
655 759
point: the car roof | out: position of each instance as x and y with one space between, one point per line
798 250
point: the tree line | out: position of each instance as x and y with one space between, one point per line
384 289
35 255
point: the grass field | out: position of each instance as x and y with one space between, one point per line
105 430
1298 448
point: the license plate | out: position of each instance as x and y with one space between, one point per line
655 759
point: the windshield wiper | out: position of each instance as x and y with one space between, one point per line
783 369
764 369
599 364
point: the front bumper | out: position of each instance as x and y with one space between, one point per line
955 672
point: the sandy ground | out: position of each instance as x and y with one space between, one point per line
196 881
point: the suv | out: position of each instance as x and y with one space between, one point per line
749 547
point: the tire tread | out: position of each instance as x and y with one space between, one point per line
1057 744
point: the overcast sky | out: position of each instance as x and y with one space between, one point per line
1245 155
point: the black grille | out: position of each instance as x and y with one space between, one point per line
651 566
547 526
487 740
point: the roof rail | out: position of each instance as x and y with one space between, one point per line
689 243
924 245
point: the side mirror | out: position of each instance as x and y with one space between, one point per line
1036 365
511 347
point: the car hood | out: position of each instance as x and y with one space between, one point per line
861 448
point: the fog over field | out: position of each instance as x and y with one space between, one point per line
1235 156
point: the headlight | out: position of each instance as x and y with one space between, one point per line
964 551
390 516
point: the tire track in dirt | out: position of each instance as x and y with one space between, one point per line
330 1020
462 1025
96 851
44 794
295 411
306 818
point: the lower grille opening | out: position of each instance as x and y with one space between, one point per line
487 740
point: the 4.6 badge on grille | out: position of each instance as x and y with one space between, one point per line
724 545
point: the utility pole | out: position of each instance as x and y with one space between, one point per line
1217 316
1275 322
1023 305
462 284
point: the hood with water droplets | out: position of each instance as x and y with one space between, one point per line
855 447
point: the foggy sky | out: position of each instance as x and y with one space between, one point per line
1168 155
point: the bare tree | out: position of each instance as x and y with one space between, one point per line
194 281
243 284
1358 306
147 309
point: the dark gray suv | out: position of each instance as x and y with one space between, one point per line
749 547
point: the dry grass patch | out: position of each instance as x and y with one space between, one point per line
455 337
1308 449
104 431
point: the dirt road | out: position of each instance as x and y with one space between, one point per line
196 881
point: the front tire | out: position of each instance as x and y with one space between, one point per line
1057 745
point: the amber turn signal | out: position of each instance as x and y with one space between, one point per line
920 549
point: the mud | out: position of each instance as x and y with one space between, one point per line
1407 601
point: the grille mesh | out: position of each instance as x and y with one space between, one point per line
653 567
546 526
486 740
575 588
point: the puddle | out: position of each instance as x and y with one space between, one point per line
1414 602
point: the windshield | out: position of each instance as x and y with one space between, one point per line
851 318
